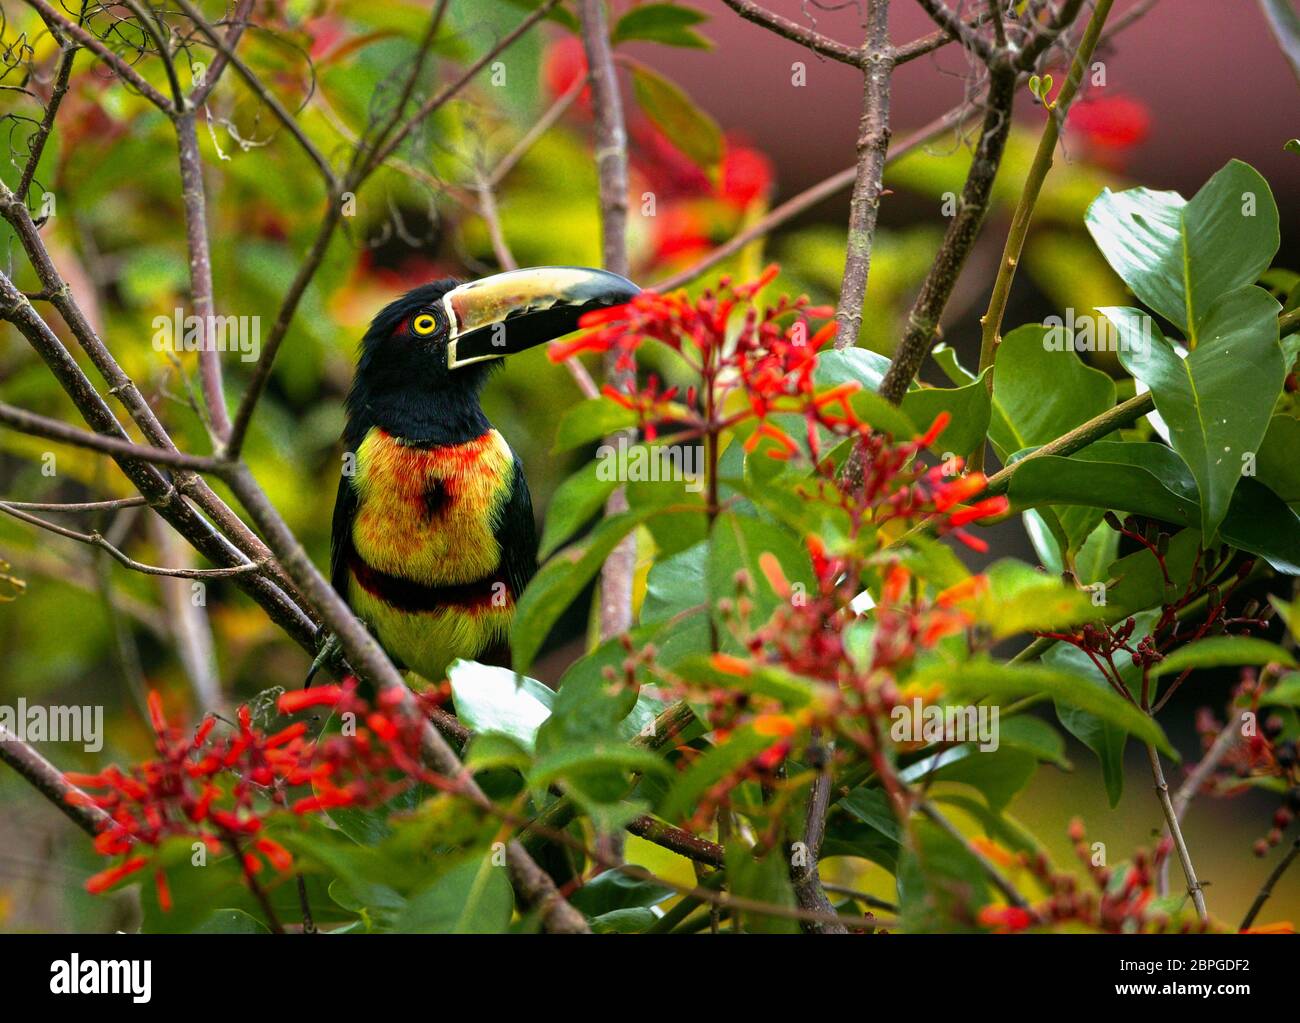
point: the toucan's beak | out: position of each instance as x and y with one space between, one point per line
513 311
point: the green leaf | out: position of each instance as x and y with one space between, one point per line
1180 257
614 890
791 690
1150 479
561 579
738 543
765 880
575 502
979 677
473 897
711 767
1020 599
231 921
493 699
969 406
591 420
997 774
842 365
1277 465
1036 736
1217 401
661 23
1040 393
1223 651
688 128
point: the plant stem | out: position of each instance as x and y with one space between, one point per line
1038 170
1176 832
1267 889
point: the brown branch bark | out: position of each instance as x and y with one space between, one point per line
873 147
48 780
797 33
923 319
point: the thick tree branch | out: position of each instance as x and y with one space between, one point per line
923 319
611 165
48 780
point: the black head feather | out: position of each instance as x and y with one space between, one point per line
402 383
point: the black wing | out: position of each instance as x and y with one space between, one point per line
516 532
345 511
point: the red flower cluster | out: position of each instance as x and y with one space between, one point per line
221 789
1116 906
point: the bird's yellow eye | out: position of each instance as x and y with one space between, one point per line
424 324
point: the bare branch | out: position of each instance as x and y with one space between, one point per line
98 540
795 32
430 105
923 319
95 45
1267 888
1176 831
53 429
810 197
67 55
225 49
991 335
954 26
873 146
49 781
611 164
1046 35
194 200
238 22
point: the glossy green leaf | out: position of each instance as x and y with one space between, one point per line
1278 463
1040 393
575 502
473 897
969 406
493 699
1218 400
661 23
591 420
1181 256
1223 651
979 677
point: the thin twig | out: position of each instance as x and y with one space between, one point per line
67 56
98 540
795 32
1267 888
990 869
811 196
95 45
1176 832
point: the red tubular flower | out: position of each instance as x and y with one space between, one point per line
105 879
1006 919
292 703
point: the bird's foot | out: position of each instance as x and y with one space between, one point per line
330 656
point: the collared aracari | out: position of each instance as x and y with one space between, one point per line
433 538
